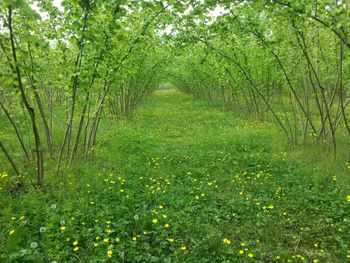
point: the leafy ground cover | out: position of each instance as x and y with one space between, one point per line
183 182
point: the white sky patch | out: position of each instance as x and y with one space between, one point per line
44 15
218 11
214 14
168 30
58 4
188 10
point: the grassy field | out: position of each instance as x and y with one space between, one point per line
184 182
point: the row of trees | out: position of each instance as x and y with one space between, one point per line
287 58
62 66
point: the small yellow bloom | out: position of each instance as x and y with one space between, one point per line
12 231
242 244
166 225
315 261
109 253
95 244
155 221
134 238
75 249
183 248
241 252
161 207
171 240
226 241
62 228
106 240
348 198
108 222
75 243
250 255
117 239
197 197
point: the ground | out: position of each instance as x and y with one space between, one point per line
182 182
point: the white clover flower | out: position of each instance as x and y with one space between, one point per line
34 245
42 229
53 206
136 217
62 222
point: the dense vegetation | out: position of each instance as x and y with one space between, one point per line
249 163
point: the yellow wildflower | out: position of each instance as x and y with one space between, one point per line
109 253
226 241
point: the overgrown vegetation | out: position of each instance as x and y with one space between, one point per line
183 182
252 166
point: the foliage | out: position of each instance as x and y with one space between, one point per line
224 200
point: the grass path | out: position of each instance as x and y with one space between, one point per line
184 182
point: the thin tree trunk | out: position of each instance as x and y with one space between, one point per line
31 112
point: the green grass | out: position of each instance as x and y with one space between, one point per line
209 175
